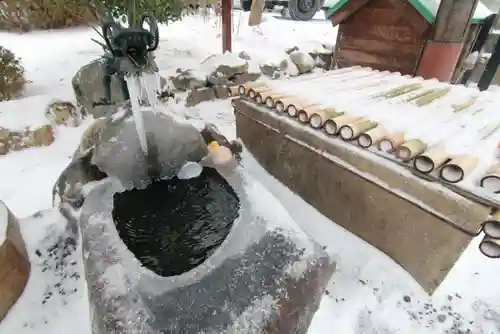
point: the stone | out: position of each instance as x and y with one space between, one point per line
304 62
290 69
16 142
292 49
118 152
4 135
69 186
109 146
199 95
244 55
92 134
15 266
279 273
225 65
325 61
239 79
187 79
270 70
3 149
329 46
221 91
63 113
88 86
42 136
217 78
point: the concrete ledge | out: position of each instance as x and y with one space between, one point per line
423 226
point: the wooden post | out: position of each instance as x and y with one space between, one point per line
226 15
441 53
490 70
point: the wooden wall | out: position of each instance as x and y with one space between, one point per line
383 34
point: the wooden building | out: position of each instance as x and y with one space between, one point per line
390 34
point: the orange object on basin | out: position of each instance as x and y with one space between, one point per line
212 146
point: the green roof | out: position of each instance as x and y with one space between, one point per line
426 8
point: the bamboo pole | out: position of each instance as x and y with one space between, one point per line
431 159
353 130
410 149
491 227
490 247
372 136
294 108
252 91
491 180
320 115
332 126
233 91
458 168
391 142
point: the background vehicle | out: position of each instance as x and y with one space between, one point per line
298 10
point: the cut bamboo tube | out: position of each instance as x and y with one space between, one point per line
260 96
270 100
293 108
353 130
432 96
491 228
490 247
410 149
282 104
372 136
333 125
321 115
305 113
401 90
458 168
391 142
464 105
491 179
243 89
431 159
252 92
233 91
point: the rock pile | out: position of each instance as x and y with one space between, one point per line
219 72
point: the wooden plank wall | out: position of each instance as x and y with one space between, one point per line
383 34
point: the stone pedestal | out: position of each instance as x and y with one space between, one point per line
14 262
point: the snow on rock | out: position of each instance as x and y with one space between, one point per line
190 170
225 65
304 62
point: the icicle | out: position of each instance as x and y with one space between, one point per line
134 90
149 83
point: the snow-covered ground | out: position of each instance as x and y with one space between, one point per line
369 293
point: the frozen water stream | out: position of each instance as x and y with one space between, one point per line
134 91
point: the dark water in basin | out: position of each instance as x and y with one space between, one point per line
174 225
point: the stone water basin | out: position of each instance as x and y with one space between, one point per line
214 253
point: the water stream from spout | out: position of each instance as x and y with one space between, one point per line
135 93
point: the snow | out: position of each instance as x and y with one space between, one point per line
369 293
190 170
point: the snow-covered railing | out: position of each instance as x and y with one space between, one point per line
441 132
449 132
